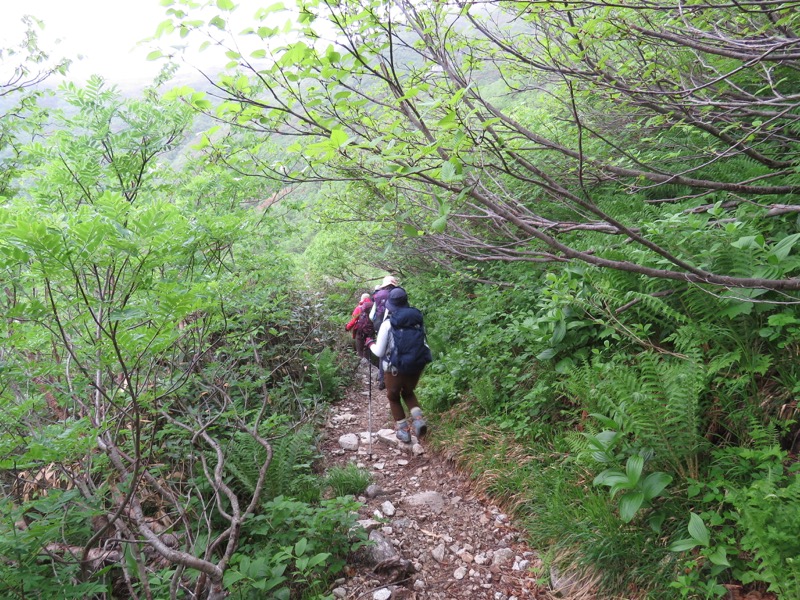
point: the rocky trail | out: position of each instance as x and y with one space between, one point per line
434 537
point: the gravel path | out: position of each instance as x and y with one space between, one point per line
435 538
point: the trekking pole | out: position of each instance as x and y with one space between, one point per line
369 402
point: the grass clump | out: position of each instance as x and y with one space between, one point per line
349 480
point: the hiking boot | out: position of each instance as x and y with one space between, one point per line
403 432
381 386
420 426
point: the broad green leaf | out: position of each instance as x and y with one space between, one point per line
339 138
610 477
633 468
719 557
232 577
448 172
300 547
629 504
440 224
698 530
318 559
781 249
683 545
263 12
654 484
448 121
559 331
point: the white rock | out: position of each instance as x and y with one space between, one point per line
364 436
481 559
419 585
388 509
438 553
339 592
349 441
382 594
402 462
374 490
502 557
522 565
369 524
417 450
432 501
460 573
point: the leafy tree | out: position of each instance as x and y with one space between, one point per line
628 129
23 68
141 341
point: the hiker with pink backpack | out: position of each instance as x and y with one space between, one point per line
361 324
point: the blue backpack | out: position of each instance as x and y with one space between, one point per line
410 353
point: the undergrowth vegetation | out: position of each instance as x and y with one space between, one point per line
647 442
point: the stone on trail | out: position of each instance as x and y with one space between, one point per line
438 553
344 418
430 501
349 441
502 557
373 491
364 435
388 509
382 594
369 524
380 550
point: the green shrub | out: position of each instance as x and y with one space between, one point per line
748 526
347 481
294 549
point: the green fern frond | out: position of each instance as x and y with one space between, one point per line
655 400
290 472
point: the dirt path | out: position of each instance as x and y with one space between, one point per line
435 539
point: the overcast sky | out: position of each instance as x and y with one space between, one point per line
105 32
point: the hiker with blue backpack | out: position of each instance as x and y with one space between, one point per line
378 314
403 353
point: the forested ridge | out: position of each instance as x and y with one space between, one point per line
594 204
